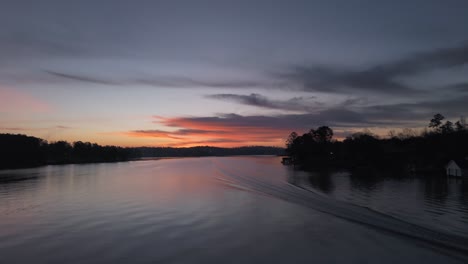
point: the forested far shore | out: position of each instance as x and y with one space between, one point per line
21 151
202 151
426 152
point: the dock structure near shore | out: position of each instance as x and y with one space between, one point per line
287 161
457 168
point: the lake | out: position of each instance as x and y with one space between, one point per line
227 210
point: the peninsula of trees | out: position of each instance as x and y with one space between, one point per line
426 152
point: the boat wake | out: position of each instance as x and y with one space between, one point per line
244 179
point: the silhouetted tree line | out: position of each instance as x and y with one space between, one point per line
18 151
203 151
425 152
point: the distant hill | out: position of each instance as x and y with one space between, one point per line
204 151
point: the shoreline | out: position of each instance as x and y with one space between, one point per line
129 160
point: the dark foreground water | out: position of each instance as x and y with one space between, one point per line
226 210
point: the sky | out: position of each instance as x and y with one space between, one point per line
228 73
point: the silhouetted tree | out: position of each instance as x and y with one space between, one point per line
436 121
290 141
426 151
447 127
313 146
59 152
407 133
459 126
21 151
323 134
392 134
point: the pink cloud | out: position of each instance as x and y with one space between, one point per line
213 132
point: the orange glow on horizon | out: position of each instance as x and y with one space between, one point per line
192 132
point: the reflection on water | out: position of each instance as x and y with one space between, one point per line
323 181
212 210
437 202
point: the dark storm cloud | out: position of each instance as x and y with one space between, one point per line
383 78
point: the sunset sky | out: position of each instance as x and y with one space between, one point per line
228 73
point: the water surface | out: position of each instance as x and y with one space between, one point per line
434 201
212 210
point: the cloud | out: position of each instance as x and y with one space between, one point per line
24 129
153 133
337 117
156 81
325 79
226 132
449 107
81 78
63 127
258 100
192 82
348 117
176 134
193 134
229 130
391 115
459 87
13 129
246 129
383 78
295 104
425 61
207 142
